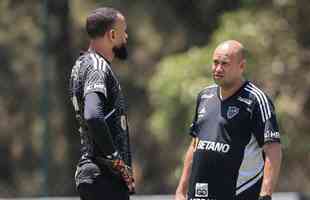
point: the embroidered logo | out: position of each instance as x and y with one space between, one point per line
232 111
201 190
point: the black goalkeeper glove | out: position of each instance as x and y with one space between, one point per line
265 197
118 166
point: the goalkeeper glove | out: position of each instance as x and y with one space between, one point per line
118 166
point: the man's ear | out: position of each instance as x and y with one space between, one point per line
111 34
242 64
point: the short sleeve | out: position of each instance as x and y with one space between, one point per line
265 125
96 78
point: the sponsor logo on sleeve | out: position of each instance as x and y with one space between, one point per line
271 134
97 86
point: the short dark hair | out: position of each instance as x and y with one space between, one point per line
99 21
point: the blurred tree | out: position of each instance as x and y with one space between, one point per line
21 37
63 132
19 40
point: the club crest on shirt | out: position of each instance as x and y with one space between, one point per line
232 111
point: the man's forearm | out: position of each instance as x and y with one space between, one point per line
95 120
184 180
183 183
101 135
273 157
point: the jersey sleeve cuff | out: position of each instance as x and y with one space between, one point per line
276 140
101 90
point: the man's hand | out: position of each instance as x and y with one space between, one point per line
126 173
118 167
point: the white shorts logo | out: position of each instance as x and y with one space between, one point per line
201 190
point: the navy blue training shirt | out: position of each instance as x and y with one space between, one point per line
228 158
93 82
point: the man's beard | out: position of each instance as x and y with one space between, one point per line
121 52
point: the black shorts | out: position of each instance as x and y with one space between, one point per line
95 184
251 193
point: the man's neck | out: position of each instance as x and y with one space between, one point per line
226 92
100 49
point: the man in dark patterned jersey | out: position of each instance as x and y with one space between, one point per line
235 152
104 170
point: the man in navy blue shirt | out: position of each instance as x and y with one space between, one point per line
235 152
104 169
